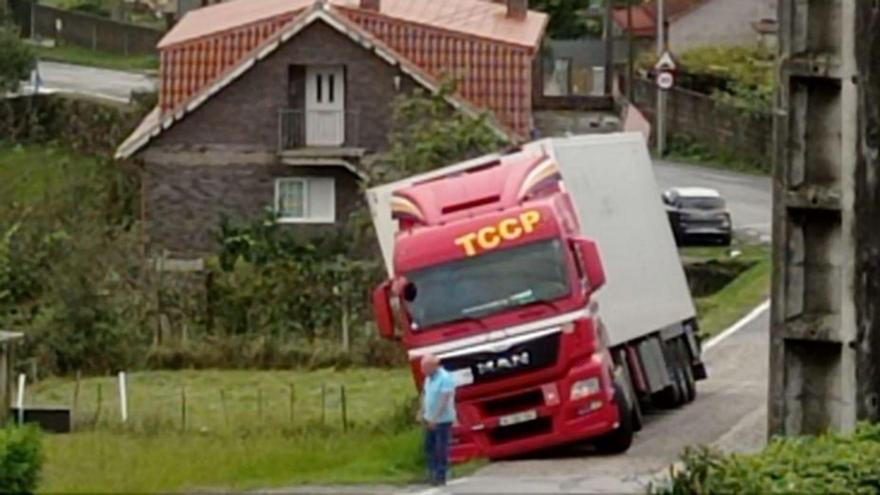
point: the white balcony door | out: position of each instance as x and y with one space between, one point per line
325 106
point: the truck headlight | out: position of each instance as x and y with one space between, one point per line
585 388
725 222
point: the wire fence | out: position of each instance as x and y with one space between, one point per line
155 406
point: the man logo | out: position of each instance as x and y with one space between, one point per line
502 363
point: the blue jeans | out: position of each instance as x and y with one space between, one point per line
437 451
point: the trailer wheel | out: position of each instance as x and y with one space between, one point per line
673 395
688 372
619 440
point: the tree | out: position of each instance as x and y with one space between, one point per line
16 58
427 133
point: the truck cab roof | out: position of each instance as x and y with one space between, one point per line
497 184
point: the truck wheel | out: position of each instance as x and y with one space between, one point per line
673 395
619 440
688 372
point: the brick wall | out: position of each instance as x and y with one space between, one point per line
723 129
85 30
186 203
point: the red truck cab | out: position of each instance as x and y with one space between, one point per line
492 276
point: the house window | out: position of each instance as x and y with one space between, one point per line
305 200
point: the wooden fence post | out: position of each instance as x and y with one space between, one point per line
98 407
292 403
75 405
344 407
323 403
183 408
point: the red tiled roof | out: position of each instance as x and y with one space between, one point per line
644 17
481 18
155 122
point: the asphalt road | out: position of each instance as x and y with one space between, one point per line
100 83
749 197
729 412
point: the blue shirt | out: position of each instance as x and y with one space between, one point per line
441 382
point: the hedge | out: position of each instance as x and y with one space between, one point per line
824 464
20 459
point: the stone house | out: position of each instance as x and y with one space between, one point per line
276 103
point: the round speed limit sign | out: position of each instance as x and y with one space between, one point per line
665 80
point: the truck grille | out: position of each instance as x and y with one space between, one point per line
521 358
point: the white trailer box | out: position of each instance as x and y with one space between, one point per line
611 181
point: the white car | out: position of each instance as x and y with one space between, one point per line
698 214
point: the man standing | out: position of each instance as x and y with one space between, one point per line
437 415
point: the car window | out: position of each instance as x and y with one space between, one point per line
705 203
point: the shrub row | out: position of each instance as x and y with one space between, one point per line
824 464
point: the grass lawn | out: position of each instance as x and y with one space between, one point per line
233 401
722 309
233 440
121 463
28 172
84 56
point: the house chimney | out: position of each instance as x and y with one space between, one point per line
373 5
517 9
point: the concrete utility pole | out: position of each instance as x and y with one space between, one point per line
661 95
825 317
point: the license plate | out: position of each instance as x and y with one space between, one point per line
517 418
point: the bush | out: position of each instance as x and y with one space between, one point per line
17 60
824 464
21 459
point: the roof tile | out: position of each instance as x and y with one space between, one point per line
483 18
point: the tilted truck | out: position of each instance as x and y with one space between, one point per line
548 283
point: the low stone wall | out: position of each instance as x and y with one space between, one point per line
85 30
726 130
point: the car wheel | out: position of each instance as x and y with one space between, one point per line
726 239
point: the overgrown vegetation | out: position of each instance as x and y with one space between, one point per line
21 459
427 133
16 58
726 287
741 76
685 148
825 464
269 299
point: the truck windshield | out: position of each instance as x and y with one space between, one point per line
487 284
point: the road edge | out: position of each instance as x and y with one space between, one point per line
739 325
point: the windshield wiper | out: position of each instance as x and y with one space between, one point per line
519 299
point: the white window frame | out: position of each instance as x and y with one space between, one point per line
307 218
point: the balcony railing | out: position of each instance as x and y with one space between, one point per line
318 129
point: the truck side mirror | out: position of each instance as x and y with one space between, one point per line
591 263
382 310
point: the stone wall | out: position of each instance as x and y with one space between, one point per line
725 130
